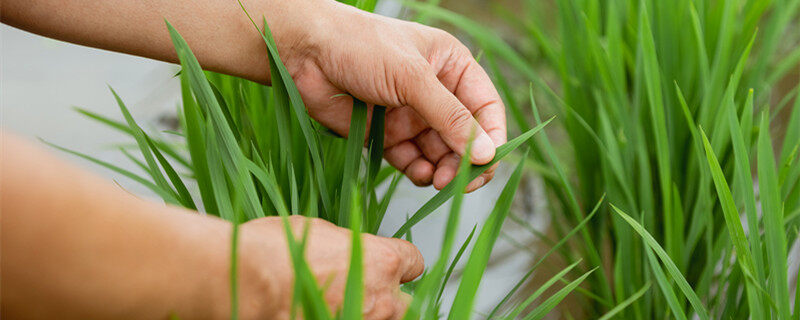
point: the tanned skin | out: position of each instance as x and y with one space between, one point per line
77 246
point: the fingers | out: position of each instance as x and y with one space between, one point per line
447 115
390 305
432 145
446 170
402 123
401 304
407 158
476 91
411 264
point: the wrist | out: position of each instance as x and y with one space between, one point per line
258 287
200 269
297 27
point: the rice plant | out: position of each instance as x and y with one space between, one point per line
668 110
246 151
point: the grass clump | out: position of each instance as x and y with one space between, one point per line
246 151
665 109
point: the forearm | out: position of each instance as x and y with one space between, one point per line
218 31
76 246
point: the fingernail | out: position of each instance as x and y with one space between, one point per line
482 149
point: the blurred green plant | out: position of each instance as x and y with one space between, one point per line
658 104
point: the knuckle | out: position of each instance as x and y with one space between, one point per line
295 219
416 68
456 117
383 308
321 223
391 261
409 75
443 36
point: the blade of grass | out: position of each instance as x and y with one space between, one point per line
675 306
297 106
375 152
453 263
130 175
625 303
141 140
443 195
476 265
183 194
217 127
548 305
196 143
571 202
555 247
514 314
352 158
354 287
380 212
731 215
772 211
658 120
122 127
673 271
432 280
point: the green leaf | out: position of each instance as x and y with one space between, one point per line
673 271
447 192
122 127
731 215
352 158
772 211
296 102
625 303
354 287
432 279
514 314
130 175
218 129
194 124
141 140
476 265
183 194
544 308
547 254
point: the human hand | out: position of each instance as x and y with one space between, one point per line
435 90
388 262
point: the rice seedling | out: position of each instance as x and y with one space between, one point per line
252 151
668 110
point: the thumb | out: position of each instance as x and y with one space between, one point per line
448 116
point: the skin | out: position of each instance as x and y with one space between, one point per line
74 246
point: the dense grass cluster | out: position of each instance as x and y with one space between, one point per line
666 107
671 197
253 151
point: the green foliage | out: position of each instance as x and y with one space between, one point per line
656 103
253 151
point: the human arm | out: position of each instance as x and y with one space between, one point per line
436 92
75 246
